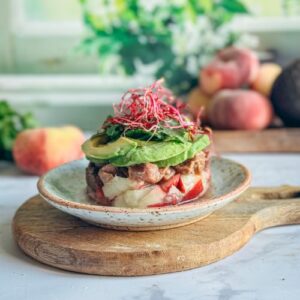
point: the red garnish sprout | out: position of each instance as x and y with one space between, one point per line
149 108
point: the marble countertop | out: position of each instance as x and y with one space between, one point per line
268 267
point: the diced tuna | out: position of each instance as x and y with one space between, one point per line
147 172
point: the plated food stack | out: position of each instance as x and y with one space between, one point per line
148 154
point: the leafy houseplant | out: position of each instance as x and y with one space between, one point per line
174 37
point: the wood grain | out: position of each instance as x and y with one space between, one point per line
270 140
65 242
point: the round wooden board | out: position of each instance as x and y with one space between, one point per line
60 240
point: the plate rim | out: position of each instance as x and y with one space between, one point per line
111 209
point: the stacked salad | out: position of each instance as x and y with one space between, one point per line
148 154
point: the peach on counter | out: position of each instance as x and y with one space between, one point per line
240 109
39 150
197 100
231 68
265 78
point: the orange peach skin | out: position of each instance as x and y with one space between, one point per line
240 109
219 75
37 151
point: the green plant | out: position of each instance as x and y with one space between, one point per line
11 123
174 37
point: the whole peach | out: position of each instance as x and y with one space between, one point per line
246 60
265 78
39 150
240 109
231 68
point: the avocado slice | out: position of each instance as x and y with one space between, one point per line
173 161
150 152
96 148
201 143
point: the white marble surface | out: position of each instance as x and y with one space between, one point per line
266 268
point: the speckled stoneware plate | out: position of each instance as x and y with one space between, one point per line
64 188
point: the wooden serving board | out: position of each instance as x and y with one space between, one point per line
63 241
270 140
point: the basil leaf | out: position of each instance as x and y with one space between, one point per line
113 131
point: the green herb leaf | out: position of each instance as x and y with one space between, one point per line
11 123
113 131
140 134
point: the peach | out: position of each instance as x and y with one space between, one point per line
246 61
39 150
197 100
265 78
231 68
240 109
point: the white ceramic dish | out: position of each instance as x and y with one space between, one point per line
64 188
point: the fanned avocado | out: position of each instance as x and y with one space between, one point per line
202 142
127 152
150 152
96 149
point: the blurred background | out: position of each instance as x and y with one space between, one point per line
68 61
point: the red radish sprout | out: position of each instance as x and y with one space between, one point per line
149 108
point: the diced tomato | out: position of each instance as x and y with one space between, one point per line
194 192
99 193
180 185
161 204
166 185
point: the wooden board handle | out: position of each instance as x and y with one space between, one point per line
273 193
274 205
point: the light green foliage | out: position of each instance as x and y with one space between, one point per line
175 37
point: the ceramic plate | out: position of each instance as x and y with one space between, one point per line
64 188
